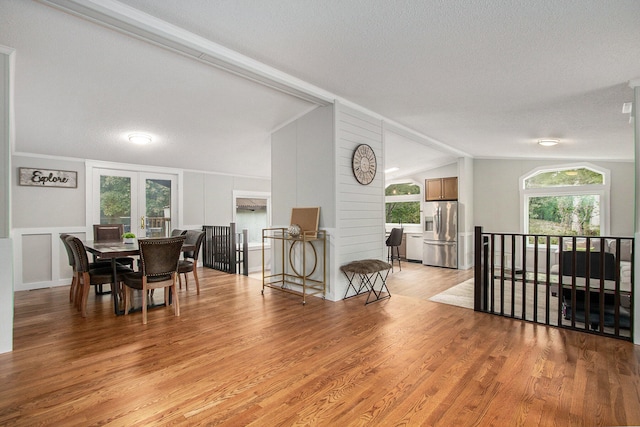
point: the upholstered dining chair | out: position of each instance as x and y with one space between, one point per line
85 276
193 237
393 242
177 232
67 247
159 267
111 233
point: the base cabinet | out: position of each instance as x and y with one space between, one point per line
414 246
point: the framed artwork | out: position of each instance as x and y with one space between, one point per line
47 178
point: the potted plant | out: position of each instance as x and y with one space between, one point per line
129 238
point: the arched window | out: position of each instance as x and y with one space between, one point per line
402 203
566 200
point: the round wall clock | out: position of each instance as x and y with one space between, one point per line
364 164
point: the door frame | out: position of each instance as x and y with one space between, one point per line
90 166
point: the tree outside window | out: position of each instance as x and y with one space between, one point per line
402 204
566 201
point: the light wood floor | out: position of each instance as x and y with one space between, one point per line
235 357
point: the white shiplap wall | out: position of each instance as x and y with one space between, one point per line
359 208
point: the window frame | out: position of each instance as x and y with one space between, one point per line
241 194
601 190
404 198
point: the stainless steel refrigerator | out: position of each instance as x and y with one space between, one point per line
440 234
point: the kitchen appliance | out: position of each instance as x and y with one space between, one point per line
440 234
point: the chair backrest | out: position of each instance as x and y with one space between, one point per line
194 237
81 261
67 247
395 238
177 232
594 264
108 232
159 257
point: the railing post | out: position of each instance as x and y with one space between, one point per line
478 287
233 265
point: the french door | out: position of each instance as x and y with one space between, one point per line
145 202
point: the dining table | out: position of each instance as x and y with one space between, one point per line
113 250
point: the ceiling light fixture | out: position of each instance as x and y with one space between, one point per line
548 142
391 170
140 138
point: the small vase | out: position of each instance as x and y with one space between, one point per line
129 240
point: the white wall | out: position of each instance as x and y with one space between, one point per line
41 214
48 206
497 196
360 212
302 166
302 175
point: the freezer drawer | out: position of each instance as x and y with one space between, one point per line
440 254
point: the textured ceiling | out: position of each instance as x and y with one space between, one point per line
485 77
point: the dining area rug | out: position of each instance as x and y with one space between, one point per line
460 295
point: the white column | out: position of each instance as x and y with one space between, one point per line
635 84
6 251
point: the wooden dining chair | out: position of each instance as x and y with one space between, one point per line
193 237
85 276
158 269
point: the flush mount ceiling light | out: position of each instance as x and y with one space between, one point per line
548 142
140 138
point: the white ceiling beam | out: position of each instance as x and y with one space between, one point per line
146 27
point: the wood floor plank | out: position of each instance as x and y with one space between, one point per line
237 357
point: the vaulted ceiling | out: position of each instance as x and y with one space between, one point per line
484 78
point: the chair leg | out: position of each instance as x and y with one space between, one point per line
145 301
176 301
86 284
195 276
398 253
72 288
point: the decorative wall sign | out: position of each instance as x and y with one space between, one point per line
48 178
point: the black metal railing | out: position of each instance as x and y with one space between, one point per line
576 282
226 250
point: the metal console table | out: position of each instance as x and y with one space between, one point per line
295 260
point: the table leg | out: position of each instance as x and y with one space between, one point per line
115 288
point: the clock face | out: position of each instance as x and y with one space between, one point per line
364 164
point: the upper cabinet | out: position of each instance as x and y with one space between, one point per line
441 189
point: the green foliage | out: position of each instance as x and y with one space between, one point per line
402 212
564 215
158 196
563 178
115 197
402 189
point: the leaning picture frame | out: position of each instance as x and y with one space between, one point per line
308 219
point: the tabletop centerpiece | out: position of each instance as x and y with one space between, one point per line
129 238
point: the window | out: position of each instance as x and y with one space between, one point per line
252 212
402 203
570 200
